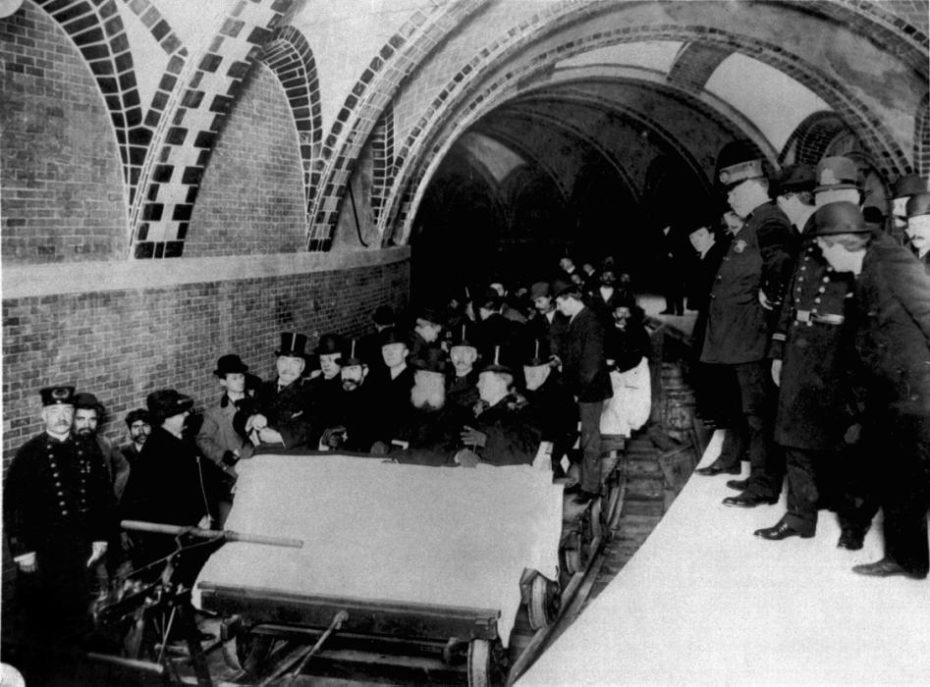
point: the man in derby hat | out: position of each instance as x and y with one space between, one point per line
837 180
139 425
905 187
794 194
217 438
891 311
551 406
547 322
58 515
369 346
281 414
584 370
918 227
88 414
746 292
169 483
463 354
427 327
501 431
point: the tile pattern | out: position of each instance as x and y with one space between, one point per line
382 143
203 89
922 138
695 63
290 57
811 139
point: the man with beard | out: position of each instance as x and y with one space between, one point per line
429 433
169 485
58 515
551 407
355 410
217 438
280 413
463 353
139 425
88 413
501 431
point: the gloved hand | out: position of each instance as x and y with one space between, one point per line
776 371
27 562
99 548
466 458
472 437
852 434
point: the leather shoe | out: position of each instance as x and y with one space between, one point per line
885 568
738 484
850 539
781 531
745 500
716 468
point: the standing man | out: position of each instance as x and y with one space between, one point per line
88 413
905 187
892 345
749 285
794 195
58 515
217 438
918 228
140 427
584 370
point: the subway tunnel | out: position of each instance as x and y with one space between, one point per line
182 180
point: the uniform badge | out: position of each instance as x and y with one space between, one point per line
739 246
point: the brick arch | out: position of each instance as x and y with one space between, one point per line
97 30
813 137
382 144
418 146
289 56
200 92
400 56
922 138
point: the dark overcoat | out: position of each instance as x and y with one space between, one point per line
584 362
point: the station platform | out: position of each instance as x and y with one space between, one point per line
704 602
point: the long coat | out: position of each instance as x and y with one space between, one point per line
288 411
814 398
511 438
584 362
758 259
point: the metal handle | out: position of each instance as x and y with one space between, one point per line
228 535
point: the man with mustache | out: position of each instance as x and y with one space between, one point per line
58 515
88 413
140 427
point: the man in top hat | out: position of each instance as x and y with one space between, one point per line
325 386
429 433
58 515
88 414
139 425
892 346
809 368
584 371
794 195
282 406
501 431
905 187
463 354
169 484
749 286
672 252
551 406
391 389
217 438
354 408
918 227
427 328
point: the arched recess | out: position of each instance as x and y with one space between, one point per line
289 56
426 140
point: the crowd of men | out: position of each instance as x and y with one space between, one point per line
819 321
812 347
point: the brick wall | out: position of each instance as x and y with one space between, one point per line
60 169
252 196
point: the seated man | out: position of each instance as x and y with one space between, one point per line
501 432
325 386
390 388
463 383
354 412
429 434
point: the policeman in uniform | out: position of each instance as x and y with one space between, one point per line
748 287
58 515
892 345
809 366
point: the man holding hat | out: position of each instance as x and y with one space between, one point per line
500 432
217 438
918 227
584 370
748 287
58 515
281 415
892 346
